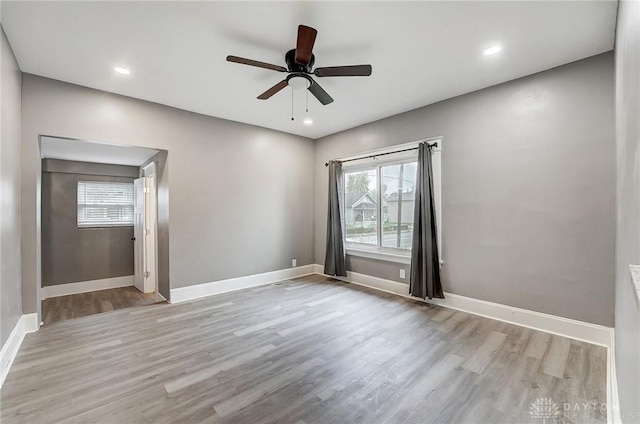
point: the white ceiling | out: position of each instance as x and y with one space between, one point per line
85 151
421 52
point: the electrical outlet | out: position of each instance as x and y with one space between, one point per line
402 273
294 263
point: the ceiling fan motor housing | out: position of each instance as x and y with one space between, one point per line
293 66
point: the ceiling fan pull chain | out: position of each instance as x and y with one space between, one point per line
292 104
306 95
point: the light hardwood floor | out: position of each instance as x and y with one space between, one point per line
79 305
311 350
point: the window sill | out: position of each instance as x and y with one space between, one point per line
380 255
103 227
387 256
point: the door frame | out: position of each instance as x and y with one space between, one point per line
151 219
141 280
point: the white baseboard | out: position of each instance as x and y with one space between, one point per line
574 329
197 291
86 286
27 323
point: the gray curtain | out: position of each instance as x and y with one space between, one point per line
424 280
334 260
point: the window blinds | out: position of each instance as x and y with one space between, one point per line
103 204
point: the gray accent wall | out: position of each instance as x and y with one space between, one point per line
10 273
528 183
71 254
627 320
88 168
240 196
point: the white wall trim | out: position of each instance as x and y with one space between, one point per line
27 323
184 294
574 329
380 255
31 323
613 402
86 286
634 270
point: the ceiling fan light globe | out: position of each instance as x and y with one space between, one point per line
299 83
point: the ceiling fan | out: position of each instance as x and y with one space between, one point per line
299 67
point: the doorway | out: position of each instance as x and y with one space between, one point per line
99 210
145 231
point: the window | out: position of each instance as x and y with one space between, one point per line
378 205
379 198
398 199
105 204
360 206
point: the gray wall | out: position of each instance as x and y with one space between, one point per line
237 193
628 207
527 189
10 274
71 254
89 168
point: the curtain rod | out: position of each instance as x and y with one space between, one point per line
382 154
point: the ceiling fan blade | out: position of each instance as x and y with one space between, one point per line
304 47
320 94
344 71
273 90
256 63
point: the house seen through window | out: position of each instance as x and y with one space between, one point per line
379 203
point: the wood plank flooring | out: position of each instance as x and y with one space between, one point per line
61 308
310 350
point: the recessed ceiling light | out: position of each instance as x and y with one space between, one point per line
121 70
492 50
308 121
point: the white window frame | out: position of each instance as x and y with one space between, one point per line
103 224
390 254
